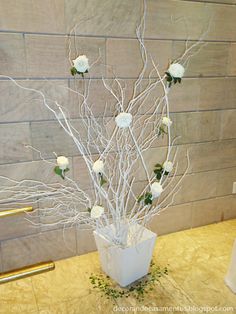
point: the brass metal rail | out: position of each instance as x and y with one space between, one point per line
26 272
11 212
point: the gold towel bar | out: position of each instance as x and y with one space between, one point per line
26 271
11 212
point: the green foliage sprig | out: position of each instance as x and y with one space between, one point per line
61 172
170 79
138 289
159 171
73 72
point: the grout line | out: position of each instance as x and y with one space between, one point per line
111 116
115 37
225 76
209 2
95 154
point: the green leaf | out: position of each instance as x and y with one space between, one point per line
158 173
73 71
89 209
60 172
141 197
158 166
102 180
148 198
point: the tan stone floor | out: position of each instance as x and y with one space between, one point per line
197 261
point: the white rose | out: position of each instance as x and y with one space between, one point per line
166 121
168 166
81 64
156 189
62 162
176 70
97 211
123 120
98 166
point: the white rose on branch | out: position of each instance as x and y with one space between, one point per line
62 162
81 65
176 70
166 121
96 211
123 120
98 166
156 189
168 166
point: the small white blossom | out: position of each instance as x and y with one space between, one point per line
98 166
166 121
96 211
168 166
62 162
123 120
176 70
156 189
81 64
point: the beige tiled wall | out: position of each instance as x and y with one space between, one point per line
34 46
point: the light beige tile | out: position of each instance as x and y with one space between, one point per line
17 104
100 100
209 59
51 245
228 125
217 93
210 156
227 206
33 16
205 212
185 96
46 56
197 186
94 49
185 19
171 19
225 180
49 137
12 55
196 126
173 219
121 54
13 137
85 241
232 62
18 226
109 18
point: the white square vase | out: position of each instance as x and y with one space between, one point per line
230 278
126 265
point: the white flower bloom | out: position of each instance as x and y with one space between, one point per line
166 121
98 166
81 64
176 70
97 211
168 166
123 120
62 162
156 189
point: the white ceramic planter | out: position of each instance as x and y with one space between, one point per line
125 265
230 278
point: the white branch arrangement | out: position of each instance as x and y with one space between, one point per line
113 149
